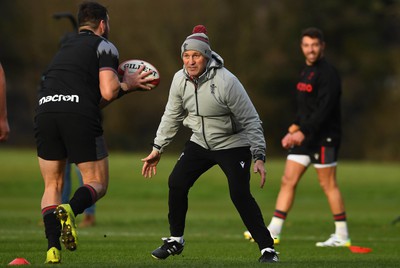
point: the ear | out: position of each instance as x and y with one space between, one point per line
323 45
102 26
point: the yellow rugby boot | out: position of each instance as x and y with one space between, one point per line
53 256
69 235
247 236
277 239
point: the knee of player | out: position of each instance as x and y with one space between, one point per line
328 185
178 186
178 191
239 196
101 192
98 189
288 181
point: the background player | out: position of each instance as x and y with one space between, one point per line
314 138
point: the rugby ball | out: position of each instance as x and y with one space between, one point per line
134 65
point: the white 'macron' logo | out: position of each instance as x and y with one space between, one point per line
58 98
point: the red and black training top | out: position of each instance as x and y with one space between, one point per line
318 93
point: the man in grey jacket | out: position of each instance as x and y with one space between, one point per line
227 131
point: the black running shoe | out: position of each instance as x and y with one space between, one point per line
270 255
170 247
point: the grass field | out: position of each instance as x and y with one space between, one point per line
132 217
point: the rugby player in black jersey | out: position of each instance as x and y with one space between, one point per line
314 139
80 80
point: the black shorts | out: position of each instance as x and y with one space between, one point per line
322 155
69 136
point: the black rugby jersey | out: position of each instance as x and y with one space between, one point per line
318 94
71 82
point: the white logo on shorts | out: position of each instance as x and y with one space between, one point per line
59 98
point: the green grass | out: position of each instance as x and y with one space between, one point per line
133 217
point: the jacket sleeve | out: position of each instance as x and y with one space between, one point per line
172 117
245 113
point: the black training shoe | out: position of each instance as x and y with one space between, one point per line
170 247
270 255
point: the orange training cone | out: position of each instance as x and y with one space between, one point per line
19 261
361 250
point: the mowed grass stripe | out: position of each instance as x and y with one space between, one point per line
132 217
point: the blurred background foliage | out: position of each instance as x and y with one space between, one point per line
259 41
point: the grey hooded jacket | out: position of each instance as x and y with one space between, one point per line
216 108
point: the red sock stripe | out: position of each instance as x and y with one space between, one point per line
340 217
280 214
46 209
93 192
322 155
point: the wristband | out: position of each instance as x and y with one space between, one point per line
157 147
259 157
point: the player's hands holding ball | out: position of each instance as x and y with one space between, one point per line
133 75
138 75
136 81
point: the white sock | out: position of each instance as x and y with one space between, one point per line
178 239
275 226
341 229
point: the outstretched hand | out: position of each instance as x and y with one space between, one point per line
149 168
260 168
